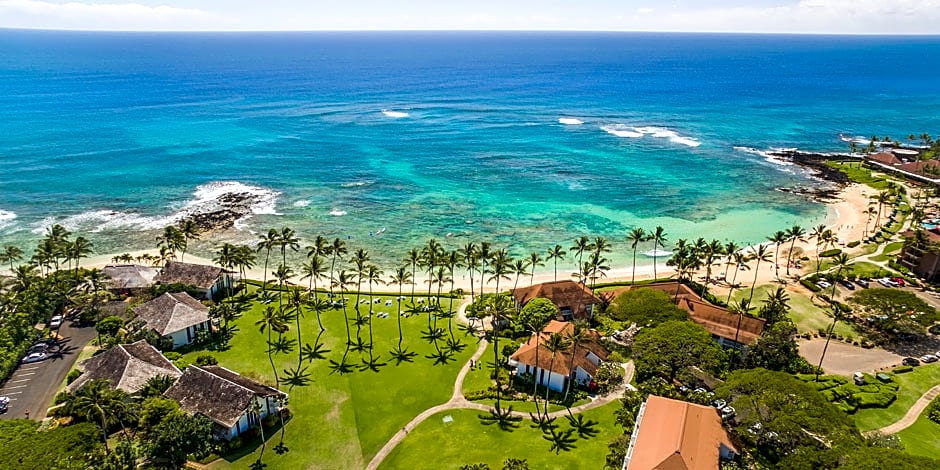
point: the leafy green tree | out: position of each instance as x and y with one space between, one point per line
23 447
177 436
515 464
646 307
154 409
123 457
891 310
109 326
538 312
672 347
155 386
776 349
791 413
97 402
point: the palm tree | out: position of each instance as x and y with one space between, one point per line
342 281
836 316
842 262
189 231
882 198
499 270
337 249
431 255
555 342
452 260
97 401
267 242
273 320
374 277
400 278
659 239
818 234
172 239
287 239
79 249
11 254
320 247
244 260
779 237
581 244
576 338
794 233
776 301
711 252
554 254
636 236
520 268
742 308
225 257
535 260
740 262
729 250
761 254
360 259
484 254
471 261
413 257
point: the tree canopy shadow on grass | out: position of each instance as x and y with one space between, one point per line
561 441
502 418
249 446
586 429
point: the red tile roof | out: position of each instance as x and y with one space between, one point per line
885 158
719 322
526 353
564 294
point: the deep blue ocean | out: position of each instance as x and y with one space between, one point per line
388 139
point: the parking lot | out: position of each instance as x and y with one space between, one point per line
33 386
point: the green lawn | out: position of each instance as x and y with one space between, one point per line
807 316
860 174
922 438
438 445
890 252
341 421
912 386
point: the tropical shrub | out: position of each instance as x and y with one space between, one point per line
933 410
830 253
206 360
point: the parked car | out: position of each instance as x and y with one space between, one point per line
719 403
38 347
910 361
847 284
35 357
727 412
823 284
899 281
887 282
928 358
56 321
859 378
862 282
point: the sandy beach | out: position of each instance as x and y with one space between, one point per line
845 218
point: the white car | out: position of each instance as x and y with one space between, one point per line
35 357
56 321
823 284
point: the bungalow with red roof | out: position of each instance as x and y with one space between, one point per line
535 359
573 299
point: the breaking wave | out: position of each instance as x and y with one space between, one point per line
6 218
622 130
570 121
394 114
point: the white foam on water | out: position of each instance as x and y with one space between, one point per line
302 203
337 213
354 184
621 130
394 114
669 134
657 253
570 121
765 155
6 218
206 198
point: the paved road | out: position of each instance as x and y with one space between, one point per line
33 386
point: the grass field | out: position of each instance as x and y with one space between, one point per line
860 174
922 438
890 252
435 444
912 385
807 316
341 421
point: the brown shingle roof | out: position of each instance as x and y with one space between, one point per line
929 168
126 366
885 158
674 434
669 287
563 294
130 276
218 393
719 322
199 275
526 353
172 312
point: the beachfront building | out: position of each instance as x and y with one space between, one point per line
902 162
535 359
234 403
129 278
126 366
673 434
176 316
573 299
729 329
208 280
921 253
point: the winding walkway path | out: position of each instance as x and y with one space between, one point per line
458 401
912 414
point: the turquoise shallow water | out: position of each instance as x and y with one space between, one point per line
526 140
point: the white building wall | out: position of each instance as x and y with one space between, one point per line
179 338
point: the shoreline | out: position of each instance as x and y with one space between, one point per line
844 217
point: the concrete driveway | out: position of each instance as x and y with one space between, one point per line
33 386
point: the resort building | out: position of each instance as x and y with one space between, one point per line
208 280
126 366
728 329
573 299
130 278
902 162
672 434
921 254
234 403
535 359
176 316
